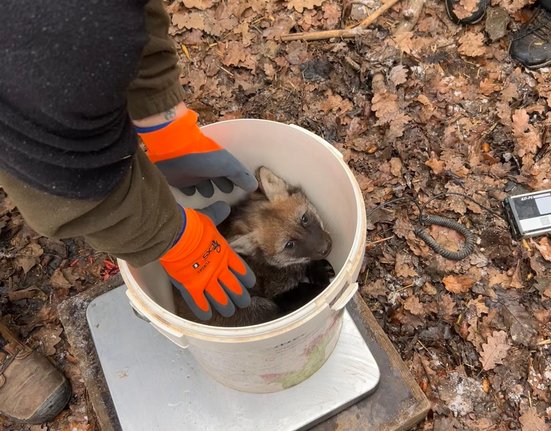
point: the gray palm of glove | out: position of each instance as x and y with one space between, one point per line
198 172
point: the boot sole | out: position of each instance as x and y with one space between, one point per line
51 406
537 66
531 67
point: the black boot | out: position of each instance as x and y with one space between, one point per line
531 45
472 18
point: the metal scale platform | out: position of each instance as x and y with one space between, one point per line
158 386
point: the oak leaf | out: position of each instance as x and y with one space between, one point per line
233 53
489 86
509 93
58 280
29 256
198 4
446 307
472 44
497 277
544 247
385 105
531 421
528 140
458 283
403 267
494 350
331 14
398 74
464 8
479 304
513 6
187 20
47 337
398 125
404 41
300 5
396 167
414 306
436 165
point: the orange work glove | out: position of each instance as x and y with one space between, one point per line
190 160
204 268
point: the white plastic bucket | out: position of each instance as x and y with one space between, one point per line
281 353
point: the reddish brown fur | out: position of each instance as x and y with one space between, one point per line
259 229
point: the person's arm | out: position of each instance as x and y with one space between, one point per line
68 150
156 90
67 145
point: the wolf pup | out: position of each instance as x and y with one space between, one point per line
279 233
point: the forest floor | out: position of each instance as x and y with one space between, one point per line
416 113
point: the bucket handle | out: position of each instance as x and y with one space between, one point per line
346 295
169 331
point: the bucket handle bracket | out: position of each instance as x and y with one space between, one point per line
348 292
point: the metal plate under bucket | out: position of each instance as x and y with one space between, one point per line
156 385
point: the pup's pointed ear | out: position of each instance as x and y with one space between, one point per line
244 244
271 185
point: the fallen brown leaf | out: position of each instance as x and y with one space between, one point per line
479 304
331 14
47 337
436 165
544 247
496 277
398 74
404 41
300 5
396 167
528 140
198 4
472 44
458 283
58 280
403 266
513 6
189 20
414 306
464 8
489 86
447 307
531 421
28 257
494 350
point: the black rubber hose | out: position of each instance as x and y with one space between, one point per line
466 250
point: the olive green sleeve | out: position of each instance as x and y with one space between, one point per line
138 221
157 87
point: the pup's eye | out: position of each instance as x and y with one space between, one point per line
305 219
290 245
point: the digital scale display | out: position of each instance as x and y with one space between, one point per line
529 214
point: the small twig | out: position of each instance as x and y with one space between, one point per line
404 288
379 241
326 34
353 31
544 342
352 63
227 71
366 276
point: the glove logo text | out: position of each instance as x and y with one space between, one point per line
213 247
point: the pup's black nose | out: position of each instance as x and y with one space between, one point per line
325 252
